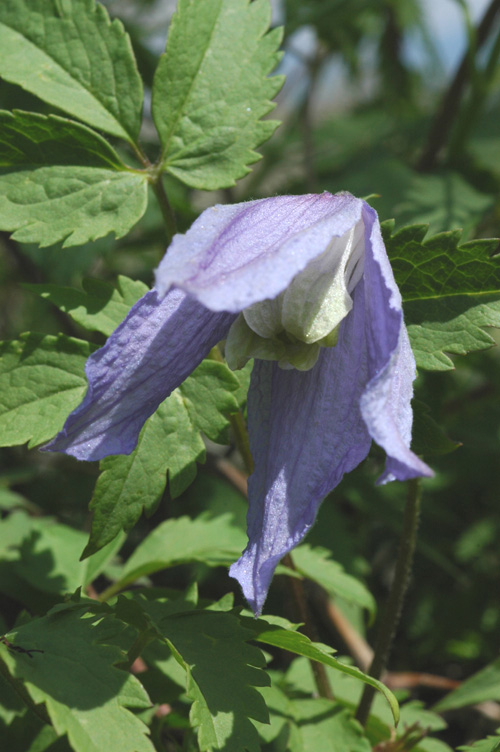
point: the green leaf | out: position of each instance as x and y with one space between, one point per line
428 438
212 541
68 53
483 686
491 744
317 565
32 140
211 90
450 292
222 671
100 306
325 727
347 691
169 442
86 697
298 643
41 380
63 182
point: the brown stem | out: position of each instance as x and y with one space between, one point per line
450 104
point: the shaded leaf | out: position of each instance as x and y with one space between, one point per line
169 442
428 438
86 697
100 306
450 292
222 671
41 380
211 90
68 53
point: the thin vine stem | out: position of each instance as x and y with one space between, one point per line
165 207
450 104
392 612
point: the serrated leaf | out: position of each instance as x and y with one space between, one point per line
450 292
169 442
68 53
100 306
211 90
298 643
428 438
222 671
63 182
483 686
491 744
85 695
213 541
317 565
41 380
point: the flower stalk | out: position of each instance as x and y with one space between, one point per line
392 613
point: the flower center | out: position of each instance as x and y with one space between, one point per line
306 316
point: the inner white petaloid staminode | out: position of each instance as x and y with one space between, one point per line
306 316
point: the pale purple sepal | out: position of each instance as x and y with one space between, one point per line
386 402
308 429
155 348
236 255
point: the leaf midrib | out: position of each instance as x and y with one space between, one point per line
128 135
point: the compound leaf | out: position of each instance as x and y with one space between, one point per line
450 292
169 442
211 90
69 53
41 380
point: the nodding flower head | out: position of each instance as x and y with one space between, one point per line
303 285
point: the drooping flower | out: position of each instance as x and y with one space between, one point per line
303 285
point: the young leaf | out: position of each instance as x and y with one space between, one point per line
99 306
325 727
68 53
210 540
41 380
222 671
85 696
450 292
170 441
211 90
317 565
63 182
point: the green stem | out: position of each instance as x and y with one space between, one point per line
392 612
450 103
166 209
